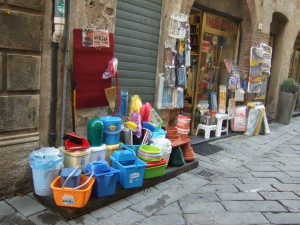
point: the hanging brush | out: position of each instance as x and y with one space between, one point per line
145 111
150 128
110 94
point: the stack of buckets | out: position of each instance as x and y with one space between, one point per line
165 145
183 126
111 134
95 138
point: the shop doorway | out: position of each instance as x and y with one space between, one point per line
213 38
295 69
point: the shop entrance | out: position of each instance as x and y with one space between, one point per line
213 38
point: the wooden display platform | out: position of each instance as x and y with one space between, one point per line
121 193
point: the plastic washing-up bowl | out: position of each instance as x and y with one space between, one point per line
148 149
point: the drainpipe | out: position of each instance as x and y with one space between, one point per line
59 21
66 71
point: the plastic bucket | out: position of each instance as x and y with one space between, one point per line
76 158
110 151
183 122
111 129
42 180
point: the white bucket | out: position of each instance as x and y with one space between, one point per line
42 180
165 145
76 158
98 153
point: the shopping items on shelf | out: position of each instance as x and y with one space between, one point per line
155 169
131 168
105 176
45 163
75 158
73 197
111 129
98 153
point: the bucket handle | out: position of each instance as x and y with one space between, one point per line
80 186
126 147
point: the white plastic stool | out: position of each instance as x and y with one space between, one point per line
207 129
220 118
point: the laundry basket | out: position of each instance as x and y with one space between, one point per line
73 197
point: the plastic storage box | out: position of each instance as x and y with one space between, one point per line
74 177
98 153
155 169
131 168
75 158
106 178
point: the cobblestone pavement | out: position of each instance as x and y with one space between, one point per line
254 180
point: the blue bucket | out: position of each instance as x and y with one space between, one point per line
111 129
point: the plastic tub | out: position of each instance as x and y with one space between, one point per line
74 177
98 153
76 158
155 169
111 129
110 151
106 178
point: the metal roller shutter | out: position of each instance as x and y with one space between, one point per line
136 44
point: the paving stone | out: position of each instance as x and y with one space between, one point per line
253 206
241 196
172 209
83 220
47 217
6 209
293 173
162 186
137 197
26 205
291 205
197 206
162 220
289 168
258 168
120 205
279 195
148 192
287 187
203 197
230 218
255 187
226 180
266 180
16 218
283 218
155 203
194 184
125 217
217 188
102 213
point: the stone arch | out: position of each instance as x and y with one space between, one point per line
277 29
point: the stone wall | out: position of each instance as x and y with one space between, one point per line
21 50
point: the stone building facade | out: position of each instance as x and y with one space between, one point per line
25 66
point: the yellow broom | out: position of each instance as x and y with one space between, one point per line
110 94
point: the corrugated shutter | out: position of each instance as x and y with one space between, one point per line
136 44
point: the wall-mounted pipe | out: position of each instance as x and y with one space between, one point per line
59 21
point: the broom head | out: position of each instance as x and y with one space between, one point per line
110 94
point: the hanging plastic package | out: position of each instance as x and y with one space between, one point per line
111 70
45 164
170 76
181 77
124 103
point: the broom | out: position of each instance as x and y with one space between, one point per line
110 94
